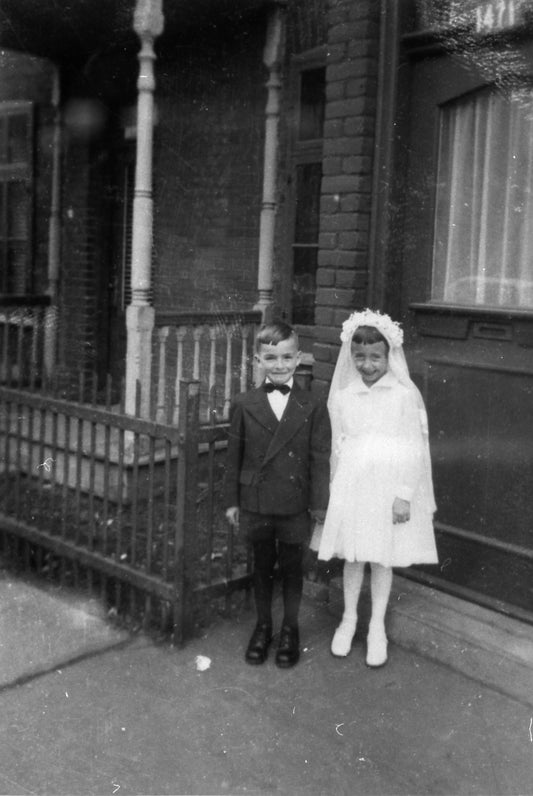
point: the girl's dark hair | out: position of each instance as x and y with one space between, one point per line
367 335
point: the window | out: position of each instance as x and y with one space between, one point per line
484 202
16 189
311 107
305 246
307 170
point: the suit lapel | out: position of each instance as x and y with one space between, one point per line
298 409
259 406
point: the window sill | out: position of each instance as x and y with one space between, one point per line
460 322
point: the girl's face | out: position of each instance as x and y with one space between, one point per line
371 361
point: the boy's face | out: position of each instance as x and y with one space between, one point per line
279 361
371 361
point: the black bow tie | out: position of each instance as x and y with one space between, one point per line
283 388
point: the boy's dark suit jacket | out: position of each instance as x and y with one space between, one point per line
278 467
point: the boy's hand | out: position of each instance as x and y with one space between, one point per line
318 515
232 516
401 511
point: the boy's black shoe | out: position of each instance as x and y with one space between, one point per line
258 645
288 653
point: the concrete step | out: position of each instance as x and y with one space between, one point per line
490 647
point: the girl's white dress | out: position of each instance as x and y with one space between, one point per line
378 454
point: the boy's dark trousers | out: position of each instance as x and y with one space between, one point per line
278 539
289 557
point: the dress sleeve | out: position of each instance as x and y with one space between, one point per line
410 448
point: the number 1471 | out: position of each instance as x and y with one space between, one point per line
495 15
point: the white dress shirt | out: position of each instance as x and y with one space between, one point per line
278 401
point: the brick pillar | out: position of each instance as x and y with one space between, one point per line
351 88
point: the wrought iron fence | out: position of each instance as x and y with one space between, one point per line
126 508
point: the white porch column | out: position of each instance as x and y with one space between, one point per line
54 235
148 24
272 58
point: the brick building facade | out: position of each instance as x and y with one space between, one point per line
379 191
208 172
208 163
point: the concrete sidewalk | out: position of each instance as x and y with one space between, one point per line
86 709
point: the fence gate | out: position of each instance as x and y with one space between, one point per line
126 509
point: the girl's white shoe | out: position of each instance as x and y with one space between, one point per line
376 651
341 643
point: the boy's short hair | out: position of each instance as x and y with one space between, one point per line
367 335
274 333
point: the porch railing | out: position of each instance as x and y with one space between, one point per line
213 348
22 339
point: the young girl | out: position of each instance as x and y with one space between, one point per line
381 498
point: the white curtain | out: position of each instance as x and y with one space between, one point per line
484 202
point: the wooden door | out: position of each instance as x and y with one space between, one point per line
466 292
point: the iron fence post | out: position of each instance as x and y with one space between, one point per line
186 541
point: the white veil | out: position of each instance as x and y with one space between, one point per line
345 372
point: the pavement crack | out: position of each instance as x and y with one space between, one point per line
23 679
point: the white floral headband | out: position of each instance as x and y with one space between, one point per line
390 329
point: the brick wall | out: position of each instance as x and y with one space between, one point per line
351 76
208 174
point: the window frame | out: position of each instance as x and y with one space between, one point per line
426 52
426 55
19 171
301 152
448 168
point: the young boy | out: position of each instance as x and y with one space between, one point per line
277 479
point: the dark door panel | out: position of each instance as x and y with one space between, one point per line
482 446
474 364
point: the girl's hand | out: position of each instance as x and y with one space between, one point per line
401 511
318 515
232 516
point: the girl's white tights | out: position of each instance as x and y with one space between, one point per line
376 642
352 581
380 587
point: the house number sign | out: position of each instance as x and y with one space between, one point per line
496 15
